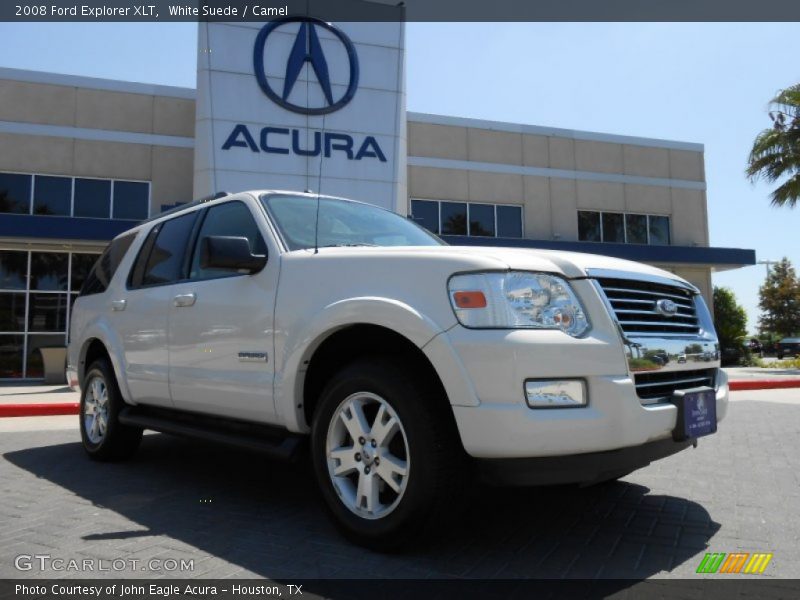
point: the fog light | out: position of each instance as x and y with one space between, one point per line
555 393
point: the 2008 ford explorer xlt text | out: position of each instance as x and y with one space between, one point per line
262 319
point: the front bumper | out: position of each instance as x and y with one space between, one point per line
615 418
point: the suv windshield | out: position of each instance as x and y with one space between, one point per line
341 223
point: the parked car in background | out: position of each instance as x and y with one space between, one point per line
789 347
732 355
755 346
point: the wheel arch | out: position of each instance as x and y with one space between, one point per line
347 344
339 334
97 345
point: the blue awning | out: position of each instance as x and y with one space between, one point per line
62 228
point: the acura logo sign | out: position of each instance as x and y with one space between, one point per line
306 49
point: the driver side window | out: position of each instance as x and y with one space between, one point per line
229 219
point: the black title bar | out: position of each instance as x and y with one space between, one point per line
412 10
396 589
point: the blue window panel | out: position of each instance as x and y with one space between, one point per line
481 220
15 193
92 198
52 195
131 200
454 218
426 213
509 221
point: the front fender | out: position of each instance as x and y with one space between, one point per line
303 339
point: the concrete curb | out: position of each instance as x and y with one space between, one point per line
763 384
39 410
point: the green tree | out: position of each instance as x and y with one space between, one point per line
730 319
776 151
779 299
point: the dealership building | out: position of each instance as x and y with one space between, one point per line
306 105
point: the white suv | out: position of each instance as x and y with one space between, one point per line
261 319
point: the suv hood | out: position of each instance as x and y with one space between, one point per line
569 264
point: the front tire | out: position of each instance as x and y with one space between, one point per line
386 454
103 436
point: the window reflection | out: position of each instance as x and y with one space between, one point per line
52 195
47 298
15 193
49 271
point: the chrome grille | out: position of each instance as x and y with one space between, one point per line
634 305
660 385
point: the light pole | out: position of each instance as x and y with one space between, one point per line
768 263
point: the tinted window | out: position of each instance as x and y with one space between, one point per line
51 195
139 265
47 312
11 355
165 261
588 226
454 218
509 221
131 200
12 312
49 271
13 270
613 228
659 231
426 214
229 219
636 229
15 193
81 266
481 219
103 271
92 198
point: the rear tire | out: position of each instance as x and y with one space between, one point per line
386 455
104 437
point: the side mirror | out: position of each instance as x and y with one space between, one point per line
229 253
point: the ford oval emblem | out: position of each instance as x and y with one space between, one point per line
666 307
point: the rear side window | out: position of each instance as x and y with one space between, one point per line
103 270
166 257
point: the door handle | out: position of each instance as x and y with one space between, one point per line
117 305
185 299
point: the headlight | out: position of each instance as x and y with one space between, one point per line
517 300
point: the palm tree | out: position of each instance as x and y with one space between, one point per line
776 151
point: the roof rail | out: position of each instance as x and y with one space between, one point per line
215 196
186 205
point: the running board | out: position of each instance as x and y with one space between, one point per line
271 441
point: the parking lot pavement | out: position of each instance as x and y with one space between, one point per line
236 514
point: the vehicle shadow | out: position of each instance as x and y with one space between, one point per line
266 519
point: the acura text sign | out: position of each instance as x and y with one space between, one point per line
302 104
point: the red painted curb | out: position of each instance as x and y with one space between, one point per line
38 410
763 384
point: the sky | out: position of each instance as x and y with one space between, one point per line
696 82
